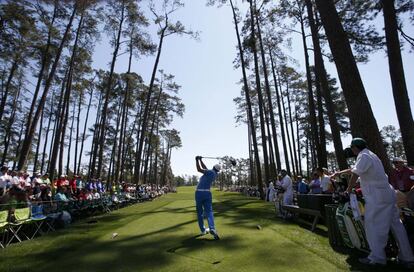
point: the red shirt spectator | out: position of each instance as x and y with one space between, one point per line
72 184
60 182
400 177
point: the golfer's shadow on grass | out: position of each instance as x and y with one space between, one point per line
193 243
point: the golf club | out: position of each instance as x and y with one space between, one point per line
231 160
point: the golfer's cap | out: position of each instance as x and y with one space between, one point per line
62 176
217 167
398 160
359 143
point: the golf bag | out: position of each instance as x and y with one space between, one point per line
351 229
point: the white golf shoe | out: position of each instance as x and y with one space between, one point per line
206 231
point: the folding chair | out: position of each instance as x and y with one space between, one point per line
4 224
38 218
22 217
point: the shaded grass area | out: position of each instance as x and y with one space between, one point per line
163 236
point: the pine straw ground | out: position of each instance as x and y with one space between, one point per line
163 236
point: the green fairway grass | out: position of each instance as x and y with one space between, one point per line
162 235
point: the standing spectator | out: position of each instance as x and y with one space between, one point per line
4 179
79 183
315 184
286 184
326 184
72 185
400 176
303 187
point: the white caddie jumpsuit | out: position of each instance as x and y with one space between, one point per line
286 184
381 212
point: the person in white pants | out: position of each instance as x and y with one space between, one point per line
381 212
286 184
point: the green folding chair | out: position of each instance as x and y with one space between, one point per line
38 219
4 227
22 217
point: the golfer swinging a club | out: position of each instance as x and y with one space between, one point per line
203 197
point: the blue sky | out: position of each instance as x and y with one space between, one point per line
205 71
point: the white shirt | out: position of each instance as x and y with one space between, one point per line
325 182
370 169
286 183
4 179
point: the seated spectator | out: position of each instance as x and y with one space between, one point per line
400 177
96 195
60 182
82 195
61 195
15 180
315 185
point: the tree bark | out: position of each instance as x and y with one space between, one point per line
311 101
29 138
44 61
399 86
249 106
269 96
351 83
84 133
279 106
326 92
259 94
107 94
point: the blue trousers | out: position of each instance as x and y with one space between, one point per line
204 205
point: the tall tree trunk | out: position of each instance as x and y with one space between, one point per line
249 105
287 126
84 132
39 137
62 138
323 157
326 92
259 93
75 162
147 107
10 123
70 137
107 94
295 158
42 166
298 139
29 138
59 116
279 106
95 143
43 66
268 94
5 95
61 131
351 83
311 101
399 86
124 114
